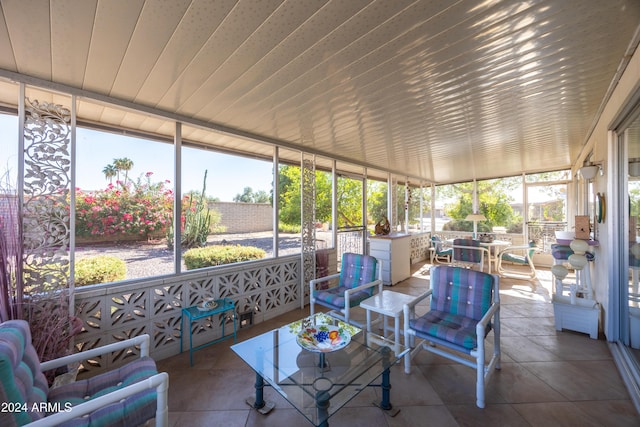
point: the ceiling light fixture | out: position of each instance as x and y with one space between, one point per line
590 171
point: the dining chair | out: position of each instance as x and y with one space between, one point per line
468 253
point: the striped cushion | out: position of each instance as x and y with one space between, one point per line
461 291
22 382
131 411
465 254
460 298
357 270
563 252
334 297
459 330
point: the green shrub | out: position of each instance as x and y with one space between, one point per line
99 269
289 228
218 255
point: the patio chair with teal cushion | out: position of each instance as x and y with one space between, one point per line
464 309
127 396
520 255
358 278
439 252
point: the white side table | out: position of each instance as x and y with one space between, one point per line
388 304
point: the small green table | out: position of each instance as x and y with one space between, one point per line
193 313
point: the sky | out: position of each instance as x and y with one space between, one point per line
227 175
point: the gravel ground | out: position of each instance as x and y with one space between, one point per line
146 259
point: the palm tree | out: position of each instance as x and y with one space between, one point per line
127 165
123 164
117 163
109 172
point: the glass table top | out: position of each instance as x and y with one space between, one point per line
301 372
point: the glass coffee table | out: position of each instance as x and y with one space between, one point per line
319 376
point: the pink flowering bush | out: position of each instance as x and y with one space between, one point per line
132 208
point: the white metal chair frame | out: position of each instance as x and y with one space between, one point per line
439 251
527 258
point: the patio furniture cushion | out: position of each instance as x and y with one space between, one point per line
133 410
357 270
460 330
21 380
462 292
335 297
563 252
24 385
466 254
358 279
460 298
440 250
519 259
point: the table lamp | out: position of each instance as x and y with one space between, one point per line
475 217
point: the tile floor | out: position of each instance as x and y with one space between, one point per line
548 378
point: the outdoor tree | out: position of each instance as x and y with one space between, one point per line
376 201
494 203
349 198
554 211
109 172
123 164
289 192
323 196
250 196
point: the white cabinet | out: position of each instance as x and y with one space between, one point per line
394 251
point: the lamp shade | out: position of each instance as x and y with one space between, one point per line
475 217
588 172
634 169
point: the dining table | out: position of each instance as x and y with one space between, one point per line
494 247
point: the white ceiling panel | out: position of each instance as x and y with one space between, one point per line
439 90
143 50
113 26
29 32
71 28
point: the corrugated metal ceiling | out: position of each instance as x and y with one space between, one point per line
441 90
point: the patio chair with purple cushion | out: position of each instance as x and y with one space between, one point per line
468 253
127 396
358 278
464 309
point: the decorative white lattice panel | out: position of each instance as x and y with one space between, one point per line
267 287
